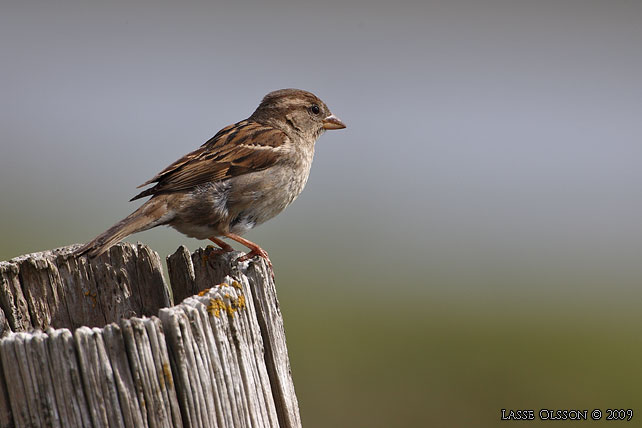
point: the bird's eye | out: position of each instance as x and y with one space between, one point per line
315 109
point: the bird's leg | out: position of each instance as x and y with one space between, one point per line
255 250
224 246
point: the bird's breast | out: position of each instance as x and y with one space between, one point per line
261 195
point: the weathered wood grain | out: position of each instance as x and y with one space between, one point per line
12 301
181 274
19 379
211 268
154 383
98 378
115 345
209 361
6 419
276 353
68 386
57 288
217 344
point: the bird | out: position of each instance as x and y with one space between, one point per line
246 174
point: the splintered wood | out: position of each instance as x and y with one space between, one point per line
218 359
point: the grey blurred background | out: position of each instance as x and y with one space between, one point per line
470 242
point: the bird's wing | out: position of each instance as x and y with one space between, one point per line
238 149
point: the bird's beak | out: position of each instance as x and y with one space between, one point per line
333 122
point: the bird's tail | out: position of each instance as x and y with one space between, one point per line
151 213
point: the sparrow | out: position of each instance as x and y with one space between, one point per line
241 177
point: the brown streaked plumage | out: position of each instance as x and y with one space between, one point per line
235 150
243 176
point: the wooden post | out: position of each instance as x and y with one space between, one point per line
96 342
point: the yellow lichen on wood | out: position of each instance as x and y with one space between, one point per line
167 372
229 304
206 254
93 296
215 306
240 302
235 304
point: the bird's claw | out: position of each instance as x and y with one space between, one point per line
258 252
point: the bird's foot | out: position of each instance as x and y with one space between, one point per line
255 250
260 252
224 247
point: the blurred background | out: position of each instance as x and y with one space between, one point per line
470 242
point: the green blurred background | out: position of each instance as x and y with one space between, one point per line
470 242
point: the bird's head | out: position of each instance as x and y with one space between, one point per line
297 112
